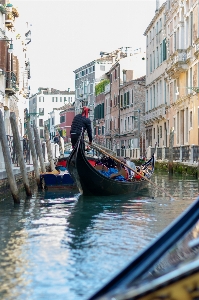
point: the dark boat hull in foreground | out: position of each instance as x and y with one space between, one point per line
91 182
167 269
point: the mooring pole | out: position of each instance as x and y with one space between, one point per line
19 151
39 149
171 140
49 151
8 162
33 153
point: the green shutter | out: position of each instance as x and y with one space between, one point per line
164 50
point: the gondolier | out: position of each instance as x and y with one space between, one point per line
81 121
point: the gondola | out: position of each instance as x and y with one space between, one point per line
167 269
91 180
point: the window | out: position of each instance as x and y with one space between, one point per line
62 119
124 99
41 133
157 57
121 101
186 125
56 99
153 60
64 99
127 98
53 99
191 78
132 97
39 99
191 119
191 28
154 133
41 111
102 68
174 42
60 99
41 122
164 50
53 121
93 68
160 131
115 76
150 63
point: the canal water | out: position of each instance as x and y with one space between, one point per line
66 246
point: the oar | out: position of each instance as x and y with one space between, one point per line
116 159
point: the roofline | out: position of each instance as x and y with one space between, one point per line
155 17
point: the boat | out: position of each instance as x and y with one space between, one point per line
60 178
58 181
91 179
167 269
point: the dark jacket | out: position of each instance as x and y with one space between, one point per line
80 122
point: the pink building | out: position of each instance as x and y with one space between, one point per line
66 118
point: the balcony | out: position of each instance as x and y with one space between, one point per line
9 23
155 114
178 63
10 83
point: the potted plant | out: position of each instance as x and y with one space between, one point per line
2 9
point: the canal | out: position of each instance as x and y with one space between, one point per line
66 246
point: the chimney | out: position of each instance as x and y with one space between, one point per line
157 5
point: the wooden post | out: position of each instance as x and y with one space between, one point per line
39 149
49 151
33 153
8 163
171 140
19 151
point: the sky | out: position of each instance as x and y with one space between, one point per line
69 34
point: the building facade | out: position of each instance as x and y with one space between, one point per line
13 57
172 103
45 102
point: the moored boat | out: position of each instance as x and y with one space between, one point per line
94 180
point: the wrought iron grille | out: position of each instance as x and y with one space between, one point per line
176 153
185 153
195 153
159 153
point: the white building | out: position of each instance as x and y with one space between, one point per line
44 102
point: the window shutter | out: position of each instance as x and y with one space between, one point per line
164 50
102 110
3 55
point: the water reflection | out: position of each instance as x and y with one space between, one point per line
65 246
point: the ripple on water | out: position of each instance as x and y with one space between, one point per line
66 246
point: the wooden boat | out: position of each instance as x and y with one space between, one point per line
57 181
167 269
91 181
60 179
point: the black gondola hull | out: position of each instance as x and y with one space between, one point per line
91 182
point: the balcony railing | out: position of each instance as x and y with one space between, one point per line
11 80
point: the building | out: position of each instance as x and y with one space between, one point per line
156 85
118 112
45 102
172 75
182 34
13 57
86 78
